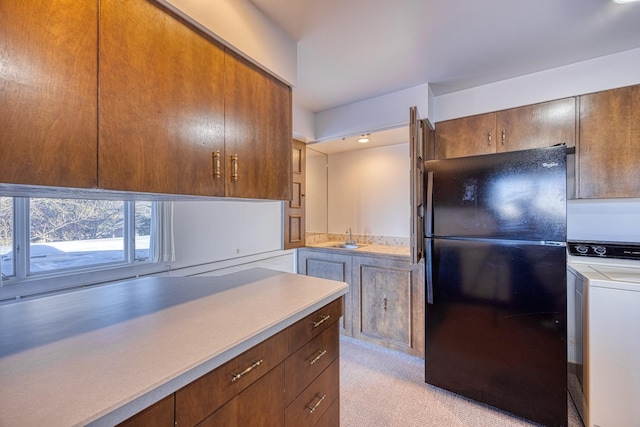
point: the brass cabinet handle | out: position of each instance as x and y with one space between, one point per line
236 377
320 354
489 138
321 321
504 136
234 167
313 408
215 157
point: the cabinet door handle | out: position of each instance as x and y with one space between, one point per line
321 321
234 167
320 354
385 304
236 377
504 136
489 137
313 408
215 156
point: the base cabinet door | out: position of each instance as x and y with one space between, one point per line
330 266
388 298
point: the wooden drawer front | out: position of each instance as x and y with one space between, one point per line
314 401
331 418
260 405
319 321
202 397
159 414
306 364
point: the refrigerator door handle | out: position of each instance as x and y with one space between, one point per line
428 267
428 230
428 218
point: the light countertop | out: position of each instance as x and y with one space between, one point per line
99 355
365 249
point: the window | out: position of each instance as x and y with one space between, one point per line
43 238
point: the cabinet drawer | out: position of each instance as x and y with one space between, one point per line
260 405
311 326
202 397
309 407
331 418
306 364
159 414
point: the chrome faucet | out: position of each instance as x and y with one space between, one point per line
350 241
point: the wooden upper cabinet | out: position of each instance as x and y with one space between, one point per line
161 103
258 131
609 147
48 80
467 136
522 128
538 125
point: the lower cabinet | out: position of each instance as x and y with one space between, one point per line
330 266
160 414
385 302
291 379
389 296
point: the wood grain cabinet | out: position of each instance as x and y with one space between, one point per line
609 148
332 266
48 103
532 126
388 303
385 302
124 95
257 132
161 103
290 379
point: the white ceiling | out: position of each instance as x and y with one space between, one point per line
352 50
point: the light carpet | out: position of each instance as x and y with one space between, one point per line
385 388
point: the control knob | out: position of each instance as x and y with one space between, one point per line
600 250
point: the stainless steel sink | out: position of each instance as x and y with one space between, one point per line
345 246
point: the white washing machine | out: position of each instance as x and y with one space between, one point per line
606 384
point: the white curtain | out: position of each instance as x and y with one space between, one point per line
161 244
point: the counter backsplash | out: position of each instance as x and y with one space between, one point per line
315 238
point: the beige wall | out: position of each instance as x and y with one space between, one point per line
369 191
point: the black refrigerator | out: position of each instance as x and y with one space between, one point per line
496 295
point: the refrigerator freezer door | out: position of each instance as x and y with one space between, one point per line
496 331
514 195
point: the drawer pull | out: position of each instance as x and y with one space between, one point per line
236 377
234 167
321 321
315 359
216 164
313 408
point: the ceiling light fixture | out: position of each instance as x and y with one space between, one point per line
364 138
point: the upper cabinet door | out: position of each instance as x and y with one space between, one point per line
609 147
467 136
48 81
537 126
161 103
258 132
